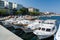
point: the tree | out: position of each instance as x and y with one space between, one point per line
3 12
24 11
34 13
19 12
14 11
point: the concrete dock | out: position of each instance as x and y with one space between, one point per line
7 35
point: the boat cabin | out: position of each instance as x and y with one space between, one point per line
42 27
50 21
46 27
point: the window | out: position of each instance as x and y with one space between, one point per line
48 30
29 28
53 28
1 4
43 29
26 22
51 23
39 22
39 28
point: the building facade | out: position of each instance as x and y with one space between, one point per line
49 13
14 5
1 4
30 9
4 4
19 6
9 5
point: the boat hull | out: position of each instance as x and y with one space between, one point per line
43 36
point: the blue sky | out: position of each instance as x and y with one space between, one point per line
42 5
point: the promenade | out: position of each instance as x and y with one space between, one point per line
7 35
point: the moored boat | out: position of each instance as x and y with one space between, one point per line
45 30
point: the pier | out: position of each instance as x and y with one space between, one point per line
7 35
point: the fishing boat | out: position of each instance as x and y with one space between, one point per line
26 25
57 35
8 22
45 30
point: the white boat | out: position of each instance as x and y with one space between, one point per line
45 30
32 26
20 23
50 21
12 20
29 25
57 36
9 21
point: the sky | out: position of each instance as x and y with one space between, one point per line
42 5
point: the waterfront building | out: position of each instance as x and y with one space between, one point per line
46 13
4 4
19 6
30 9
14 5
9 5
49 13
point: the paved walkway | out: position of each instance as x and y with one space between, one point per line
7 35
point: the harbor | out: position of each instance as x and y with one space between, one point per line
29 20
26 27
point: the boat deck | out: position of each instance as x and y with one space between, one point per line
23 28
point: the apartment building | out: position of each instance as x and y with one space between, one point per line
3 4
9 5
30 9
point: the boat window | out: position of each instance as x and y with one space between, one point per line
51 23
39 21
39 28
32 26
28 28
48 30
26 22
53 28
43 29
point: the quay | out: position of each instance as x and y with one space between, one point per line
7 35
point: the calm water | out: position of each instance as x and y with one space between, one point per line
52 17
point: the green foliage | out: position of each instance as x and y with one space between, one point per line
24 11
3 11
18 12
14 11
34 13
